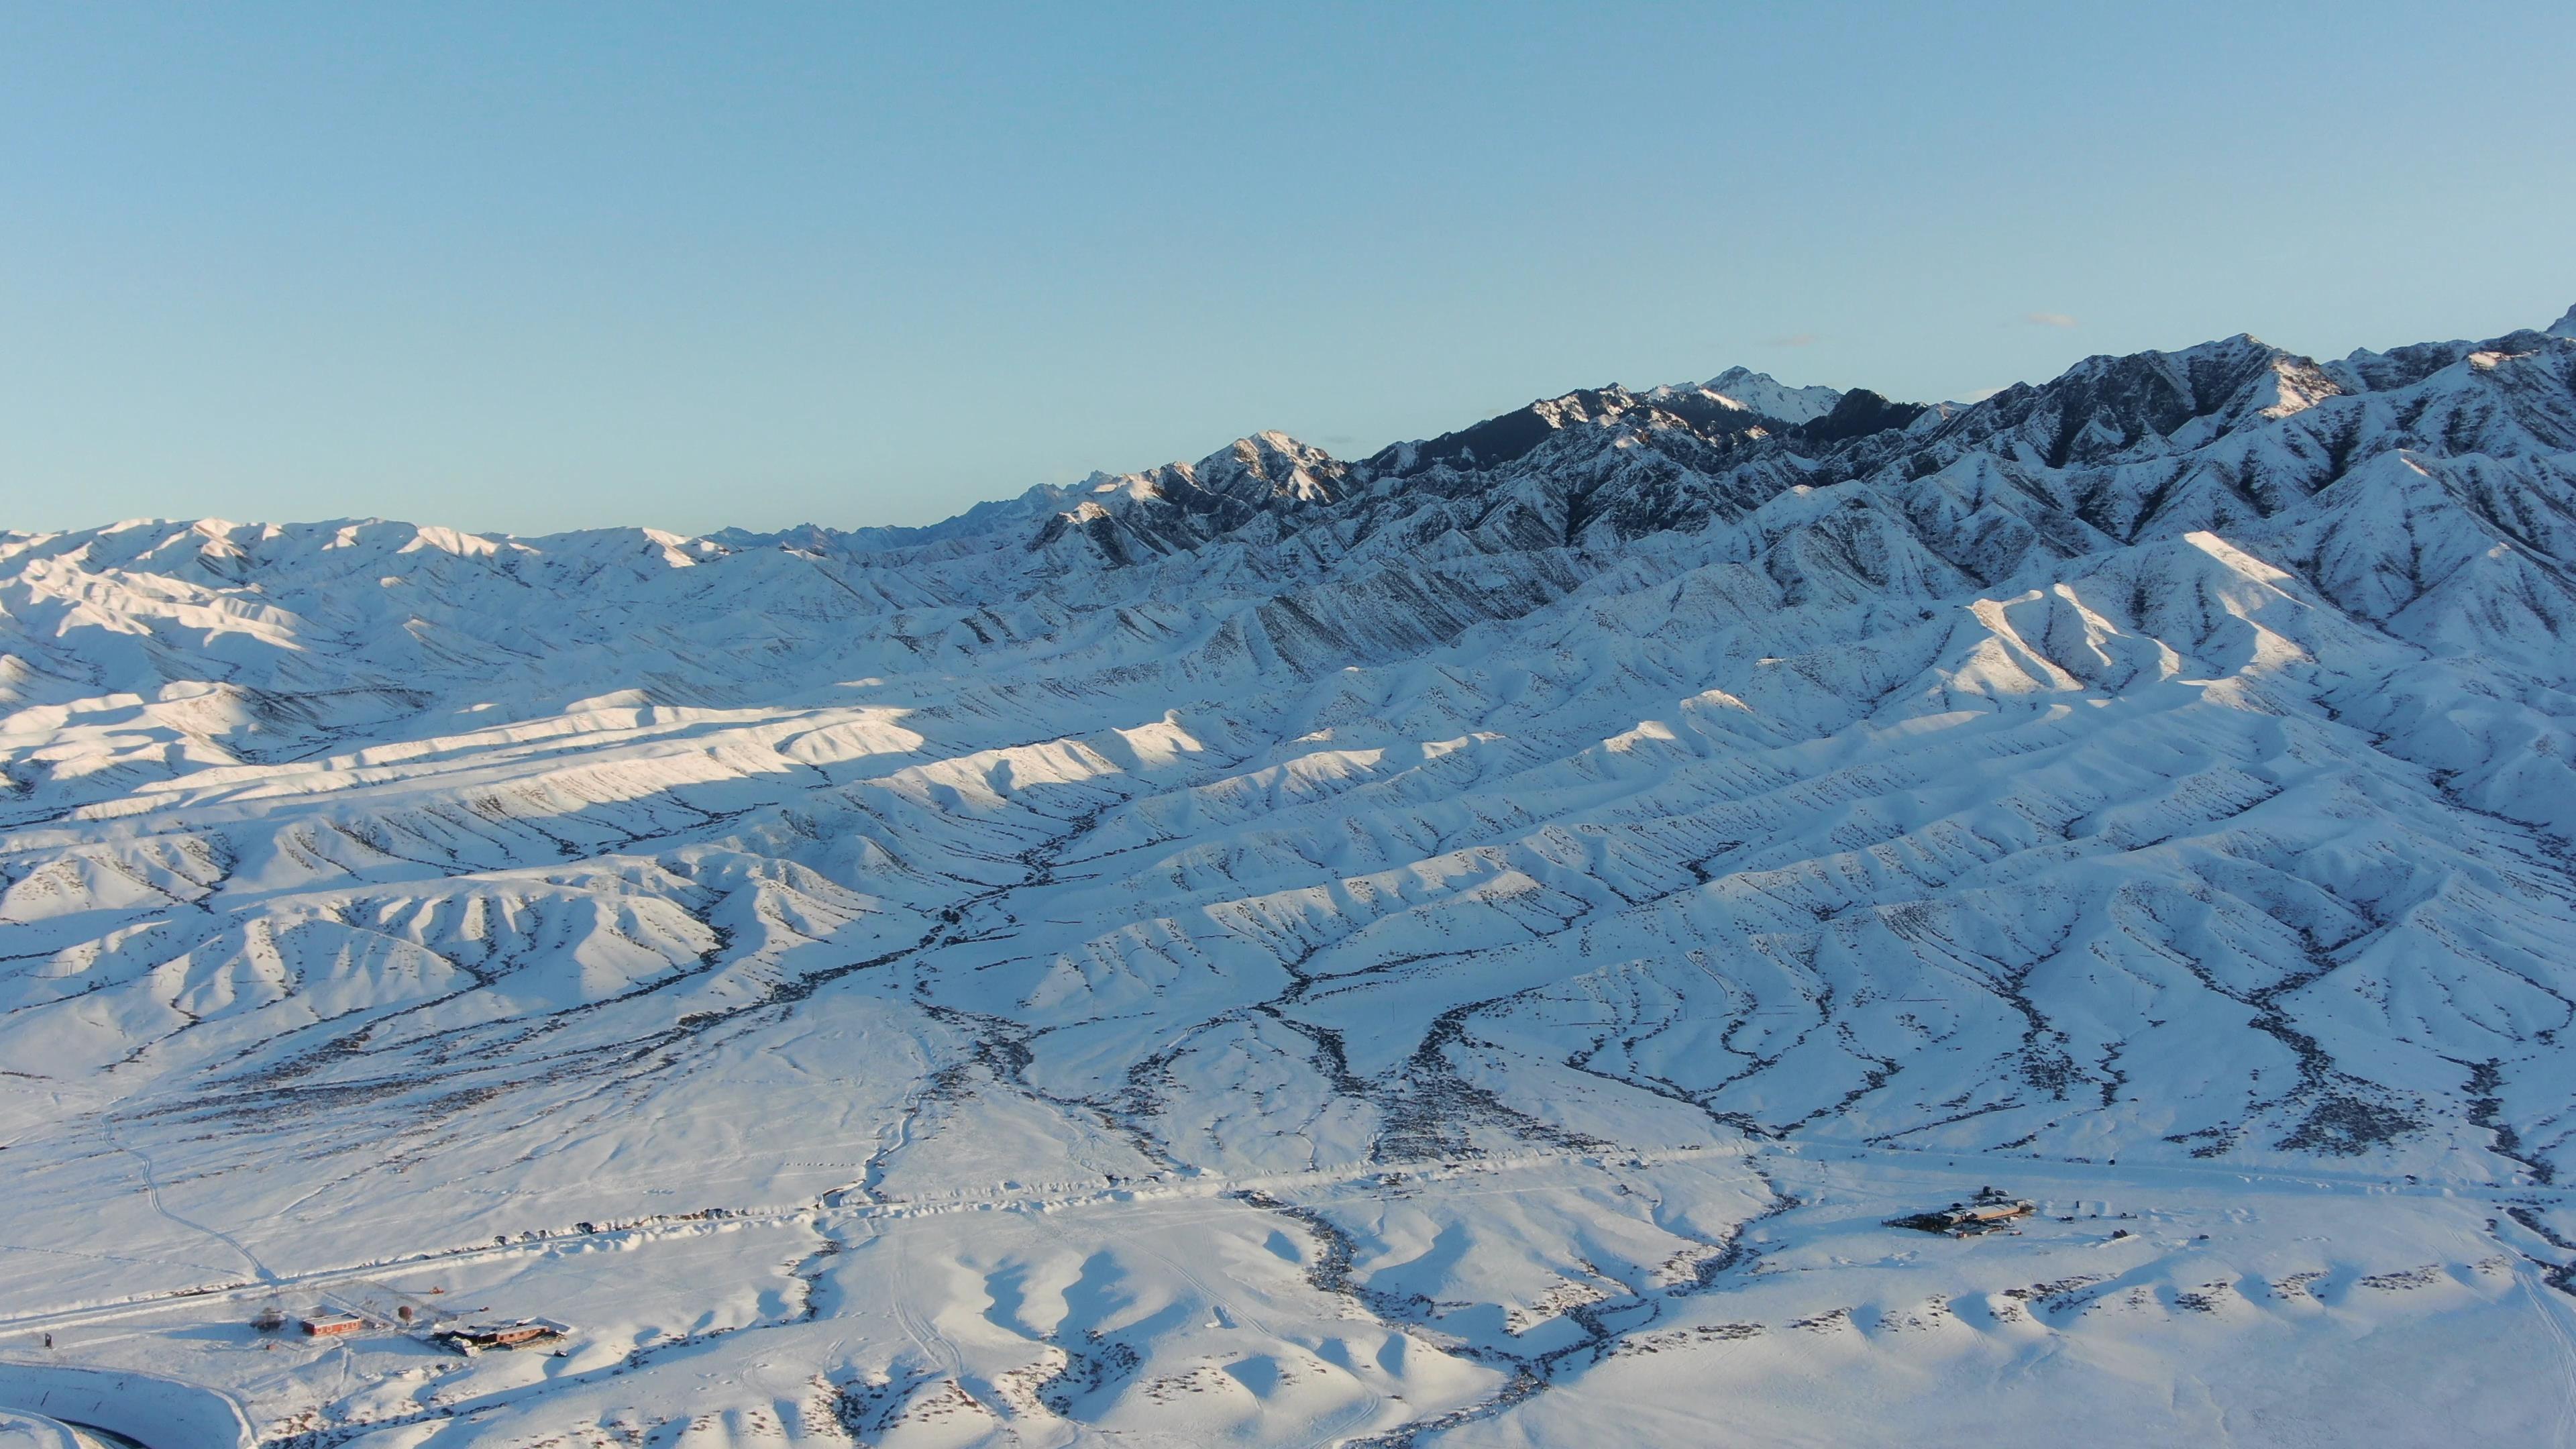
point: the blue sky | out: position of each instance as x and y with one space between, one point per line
534 267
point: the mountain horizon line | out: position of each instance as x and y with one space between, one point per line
1801 412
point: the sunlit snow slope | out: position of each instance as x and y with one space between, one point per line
1289 950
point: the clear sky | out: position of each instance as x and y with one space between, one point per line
531 267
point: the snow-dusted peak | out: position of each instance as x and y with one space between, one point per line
1264 468
1272 464
1762 393
2565 326
2291 384
1175 508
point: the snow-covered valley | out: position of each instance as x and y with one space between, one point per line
1466 947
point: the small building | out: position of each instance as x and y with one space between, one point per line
1983 1217
332 1325
473 1338
1991 1212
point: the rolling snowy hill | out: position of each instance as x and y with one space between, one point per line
1460 947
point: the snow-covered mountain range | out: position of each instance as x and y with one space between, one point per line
1445 947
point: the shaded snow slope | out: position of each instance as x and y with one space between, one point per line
1714 805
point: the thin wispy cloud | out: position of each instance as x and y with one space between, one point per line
1793 339
2052 319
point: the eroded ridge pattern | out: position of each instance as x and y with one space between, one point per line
1467 946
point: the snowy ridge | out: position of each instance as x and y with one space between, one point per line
1704 811
1760 393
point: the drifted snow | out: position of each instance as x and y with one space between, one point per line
1289 950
